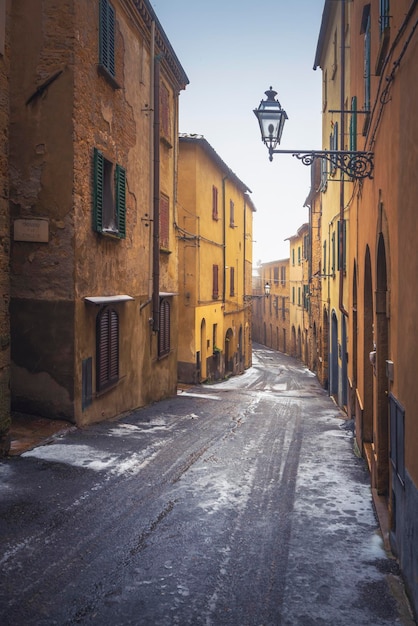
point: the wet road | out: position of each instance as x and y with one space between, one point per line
240 503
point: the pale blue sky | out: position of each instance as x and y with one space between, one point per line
232 51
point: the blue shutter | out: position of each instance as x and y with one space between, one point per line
120 186
98 191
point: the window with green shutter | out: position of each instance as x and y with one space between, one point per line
107 348
109 197
107 37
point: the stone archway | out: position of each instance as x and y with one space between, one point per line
368 346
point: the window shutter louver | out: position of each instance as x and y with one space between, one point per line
107 348
98 191
120 180
164 332
107 36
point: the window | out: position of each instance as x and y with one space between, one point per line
164 112
164 222
231 214
299 301
299 255
384 26
283 307
214 336
109 210
215 282
164 328
107 348
306 247
293 295
214 203
335 55
333 252
367 64
324 175
107 37
342 253
293 256
232 281
384 16
283 275
306 297
353 124
333 145
276 275
397 437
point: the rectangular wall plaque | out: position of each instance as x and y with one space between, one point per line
31 229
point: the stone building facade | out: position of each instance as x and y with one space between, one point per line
94 147
214 227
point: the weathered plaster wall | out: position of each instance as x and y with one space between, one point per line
4 236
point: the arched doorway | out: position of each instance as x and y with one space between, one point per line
368 346
382 349
240 352
314 364
334 356
229 351
344 382
293 345
203 351
325 349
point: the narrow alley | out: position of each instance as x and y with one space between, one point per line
240 503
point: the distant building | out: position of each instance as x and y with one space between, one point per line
271 314
214 228
299 293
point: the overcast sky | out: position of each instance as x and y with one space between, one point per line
232 51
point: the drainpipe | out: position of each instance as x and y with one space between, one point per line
342 140
156 202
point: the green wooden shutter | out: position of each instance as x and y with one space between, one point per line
98 191
120 185
107 36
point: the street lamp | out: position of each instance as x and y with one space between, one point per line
271 118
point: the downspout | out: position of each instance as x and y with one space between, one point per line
156 205
342 141
151 159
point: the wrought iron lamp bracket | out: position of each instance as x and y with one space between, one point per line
356 165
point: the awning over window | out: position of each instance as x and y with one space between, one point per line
165 294
108 299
